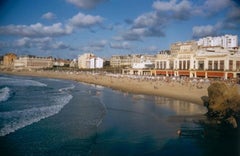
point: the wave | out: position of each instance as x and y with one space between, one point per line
14 120
4 94
21 82
66 88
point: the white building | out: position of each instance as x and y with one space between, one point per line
96 62
226 41
89 61
143 64
73 63
84 60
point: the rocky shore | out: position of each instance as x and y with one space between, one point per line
223 103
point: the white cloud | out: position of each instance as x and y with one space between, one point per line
100 44
174 9
148 19
213 6
152 24
86 4
123 45
82 20
202 31
164 6
36 30
95 46
28 42
45 43
49 16
230 21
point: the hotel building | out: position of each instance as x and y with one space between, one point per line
208 57
8 59
33 62
89 61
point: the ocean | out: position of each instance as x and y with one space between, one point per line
44 116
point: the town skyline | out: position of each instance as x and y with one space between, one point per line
68 28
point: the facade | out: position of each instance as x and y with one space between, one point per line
180 57
84 60
61 63
129 60
89 61
226 41
73 63
1 60
198 59
124 60
193 61
33 62
8 59
144 63
96 62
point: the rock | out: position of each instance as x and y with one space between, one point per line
232 121
223 103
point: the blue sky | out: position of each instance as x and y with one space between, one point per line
68 28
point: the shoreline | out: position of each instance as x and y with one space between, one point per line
179 90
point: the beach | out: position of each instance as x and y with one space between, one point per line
69 113
190 90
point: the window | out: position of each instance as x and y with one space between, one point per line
209 65
230 64
221 64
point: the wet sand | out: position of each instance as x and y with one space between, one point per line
181 90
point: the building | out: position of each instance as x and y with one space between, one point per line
73 63
84 60
129 60
188 59
8 59
1 60
226 41
198 59
61 63
33 62
144 63
89 61
180 57
96 62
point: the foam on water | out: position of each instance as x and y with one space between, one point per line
21 82
67 88
15 120
4 94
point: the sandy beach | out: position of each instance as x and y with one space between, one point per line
182 89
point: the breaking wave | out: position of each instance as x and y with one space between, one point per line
67 88
21 82
14 120
4 94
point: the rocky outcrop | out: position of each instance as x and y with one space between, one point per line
223 103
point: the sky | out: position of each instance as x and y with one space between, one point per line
68 28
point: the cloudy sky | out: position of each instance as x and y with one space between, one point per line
67 28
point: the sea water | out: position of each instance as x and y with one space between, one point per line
42 116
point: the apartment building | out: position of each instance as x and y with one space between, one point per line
129 60
8 59
33 62
84 60
89 61
226 41
198 60
96 62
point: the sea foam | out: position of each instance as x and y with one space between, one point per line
21 82
14 120
4 94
